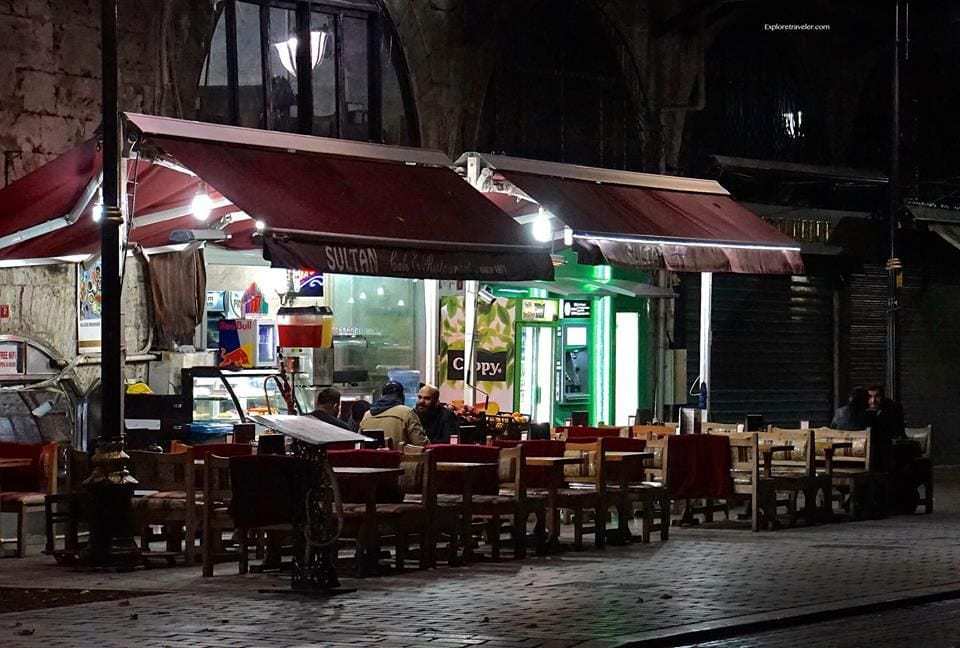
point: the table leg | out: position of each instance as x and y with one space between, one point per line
467 518
553 520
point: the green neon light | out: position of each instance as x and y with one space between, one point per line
602 331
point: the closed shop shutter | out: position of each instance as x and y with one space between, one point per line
772 350
863 332
929 355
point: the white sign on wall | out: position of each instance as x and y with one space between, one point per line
9 358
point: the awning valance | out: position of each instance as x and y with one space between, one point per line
349 207
651 221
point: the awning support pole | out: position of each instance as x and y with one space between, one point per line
470 292
660 372
706 336
431 298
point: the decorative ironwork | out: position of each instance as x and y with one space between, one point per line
316 533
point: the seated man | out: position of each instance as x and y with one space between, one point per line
853 415
438 421
398 422
327 406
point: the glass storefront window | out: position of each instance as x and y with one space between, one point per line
382 311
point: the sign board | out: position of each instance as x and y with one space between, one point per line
310 284
9 358
539 310
488 366
576 308
89 298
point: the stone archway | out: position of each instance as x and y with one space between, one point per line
558 89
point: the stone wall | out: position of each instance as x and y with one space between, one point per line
43 306
50 70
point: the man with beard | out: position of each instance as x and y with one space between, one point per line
438 421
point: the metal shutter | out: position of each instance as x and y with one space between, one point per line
929 348
772 348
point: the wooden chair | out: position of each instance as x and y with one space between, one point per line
215 516
648 432
374 512
26 489
586 491
745 470
587 434
172 504
847 456
796 472
64 507
512 505
630 492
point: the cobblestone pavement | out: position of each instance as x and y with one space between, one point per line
585 599
932 626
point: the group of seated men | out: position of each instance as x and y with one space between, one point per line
428 422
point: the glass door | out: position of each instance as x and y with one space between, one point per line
535 379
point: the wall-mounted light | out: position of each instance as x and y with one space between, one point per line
260 225
287 50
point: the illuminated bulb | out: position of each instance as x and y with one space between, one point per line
567 236
97 213
350 301
363 295
201 206
260 225
400 302
379 291
542 230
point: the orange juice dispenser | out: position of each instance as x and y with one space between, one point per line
305 335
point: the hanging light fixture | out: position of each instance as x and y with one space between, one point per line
287 51
202 205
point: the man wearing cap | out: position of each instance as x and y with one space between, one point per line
397 421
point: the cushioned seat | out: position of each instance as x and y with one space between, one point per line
29 499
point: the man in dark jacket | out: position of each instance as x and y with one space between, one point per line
438 421
327 408
853 415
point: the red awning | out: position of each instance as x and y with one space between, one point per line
652 221
349 207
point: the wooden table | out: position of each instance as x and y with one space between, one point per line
556 465
9 463
470 470
368 559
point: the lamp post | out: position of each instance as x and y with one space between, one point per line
110 486
894 265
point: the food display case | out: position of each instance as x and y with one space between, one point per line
218 398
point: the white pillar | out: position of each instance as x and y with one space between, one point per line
431 325
660 368
470 290
706 334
